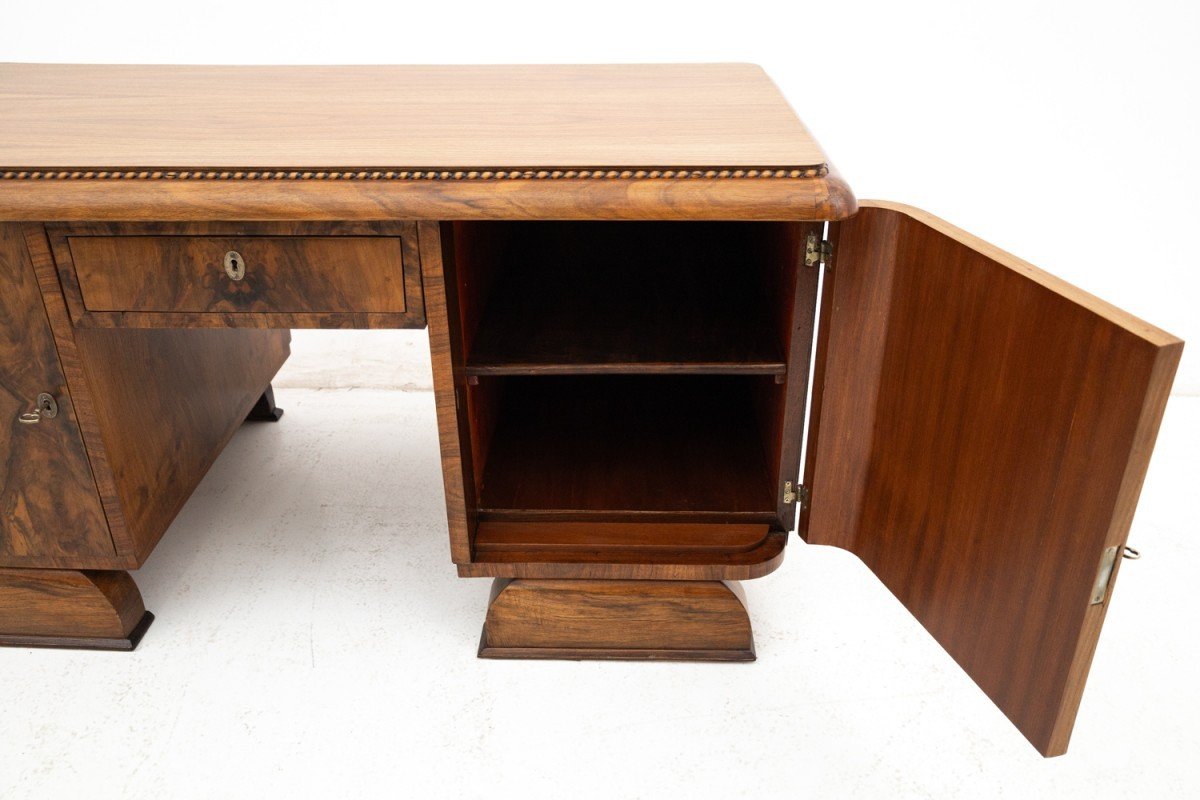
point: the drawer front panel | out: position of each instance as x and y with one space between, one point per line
282 274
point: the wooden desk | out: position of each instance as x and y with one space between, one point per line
619 269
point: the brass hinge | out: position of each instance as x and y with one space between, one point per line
794 491
817 250
1108 561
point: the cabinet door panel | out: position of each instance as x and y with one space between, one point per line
981 431
50 512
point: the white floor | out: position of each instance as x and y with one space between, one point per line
313 641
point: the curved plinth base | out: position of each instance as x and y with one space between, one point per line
633 620
88 609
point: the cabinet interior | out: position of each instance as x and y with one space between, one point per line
627 382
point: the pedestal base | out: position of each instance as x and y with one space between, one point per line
79 609
633 620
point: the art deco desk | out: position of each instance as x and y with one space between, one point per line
619 268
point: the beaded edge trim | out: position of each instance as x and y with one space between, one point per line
414 175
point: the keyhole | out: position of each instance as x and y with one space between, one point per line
47 406
235 266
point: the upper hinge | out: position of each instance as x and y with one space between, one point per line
793 492
817 250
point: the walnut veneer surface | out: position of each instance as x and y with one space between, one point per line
428 117
89 142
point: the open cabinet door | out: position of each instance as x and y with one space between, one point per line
980 435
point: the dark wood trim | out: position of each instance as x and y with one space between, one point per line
543 173
614 654
122 644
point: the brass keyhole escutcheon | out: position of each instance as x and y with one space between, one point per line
45 407
235 265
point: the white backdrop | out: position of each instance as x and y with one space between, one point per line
313 638
1066 133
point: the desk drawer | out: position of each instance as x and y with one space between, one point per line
246 274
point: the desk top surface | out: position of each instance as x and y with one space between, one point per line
457 117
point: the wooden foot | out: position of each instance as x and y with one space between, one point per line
90 609
264 410
578 619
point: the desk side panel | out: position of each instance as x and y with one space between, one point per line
50 511
168 402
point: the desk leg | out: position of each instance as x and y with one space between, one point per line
265 410
88 609
635 620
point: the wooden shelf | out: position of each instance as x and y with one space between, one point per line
572 298
618 539
617 447
684 551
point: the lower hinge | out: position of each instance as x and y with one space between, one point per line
817 250
1108 564
793 492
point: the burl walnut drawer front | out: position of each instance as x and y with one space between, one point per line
302 274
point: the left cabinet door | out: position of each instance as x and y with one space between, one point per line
50 512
